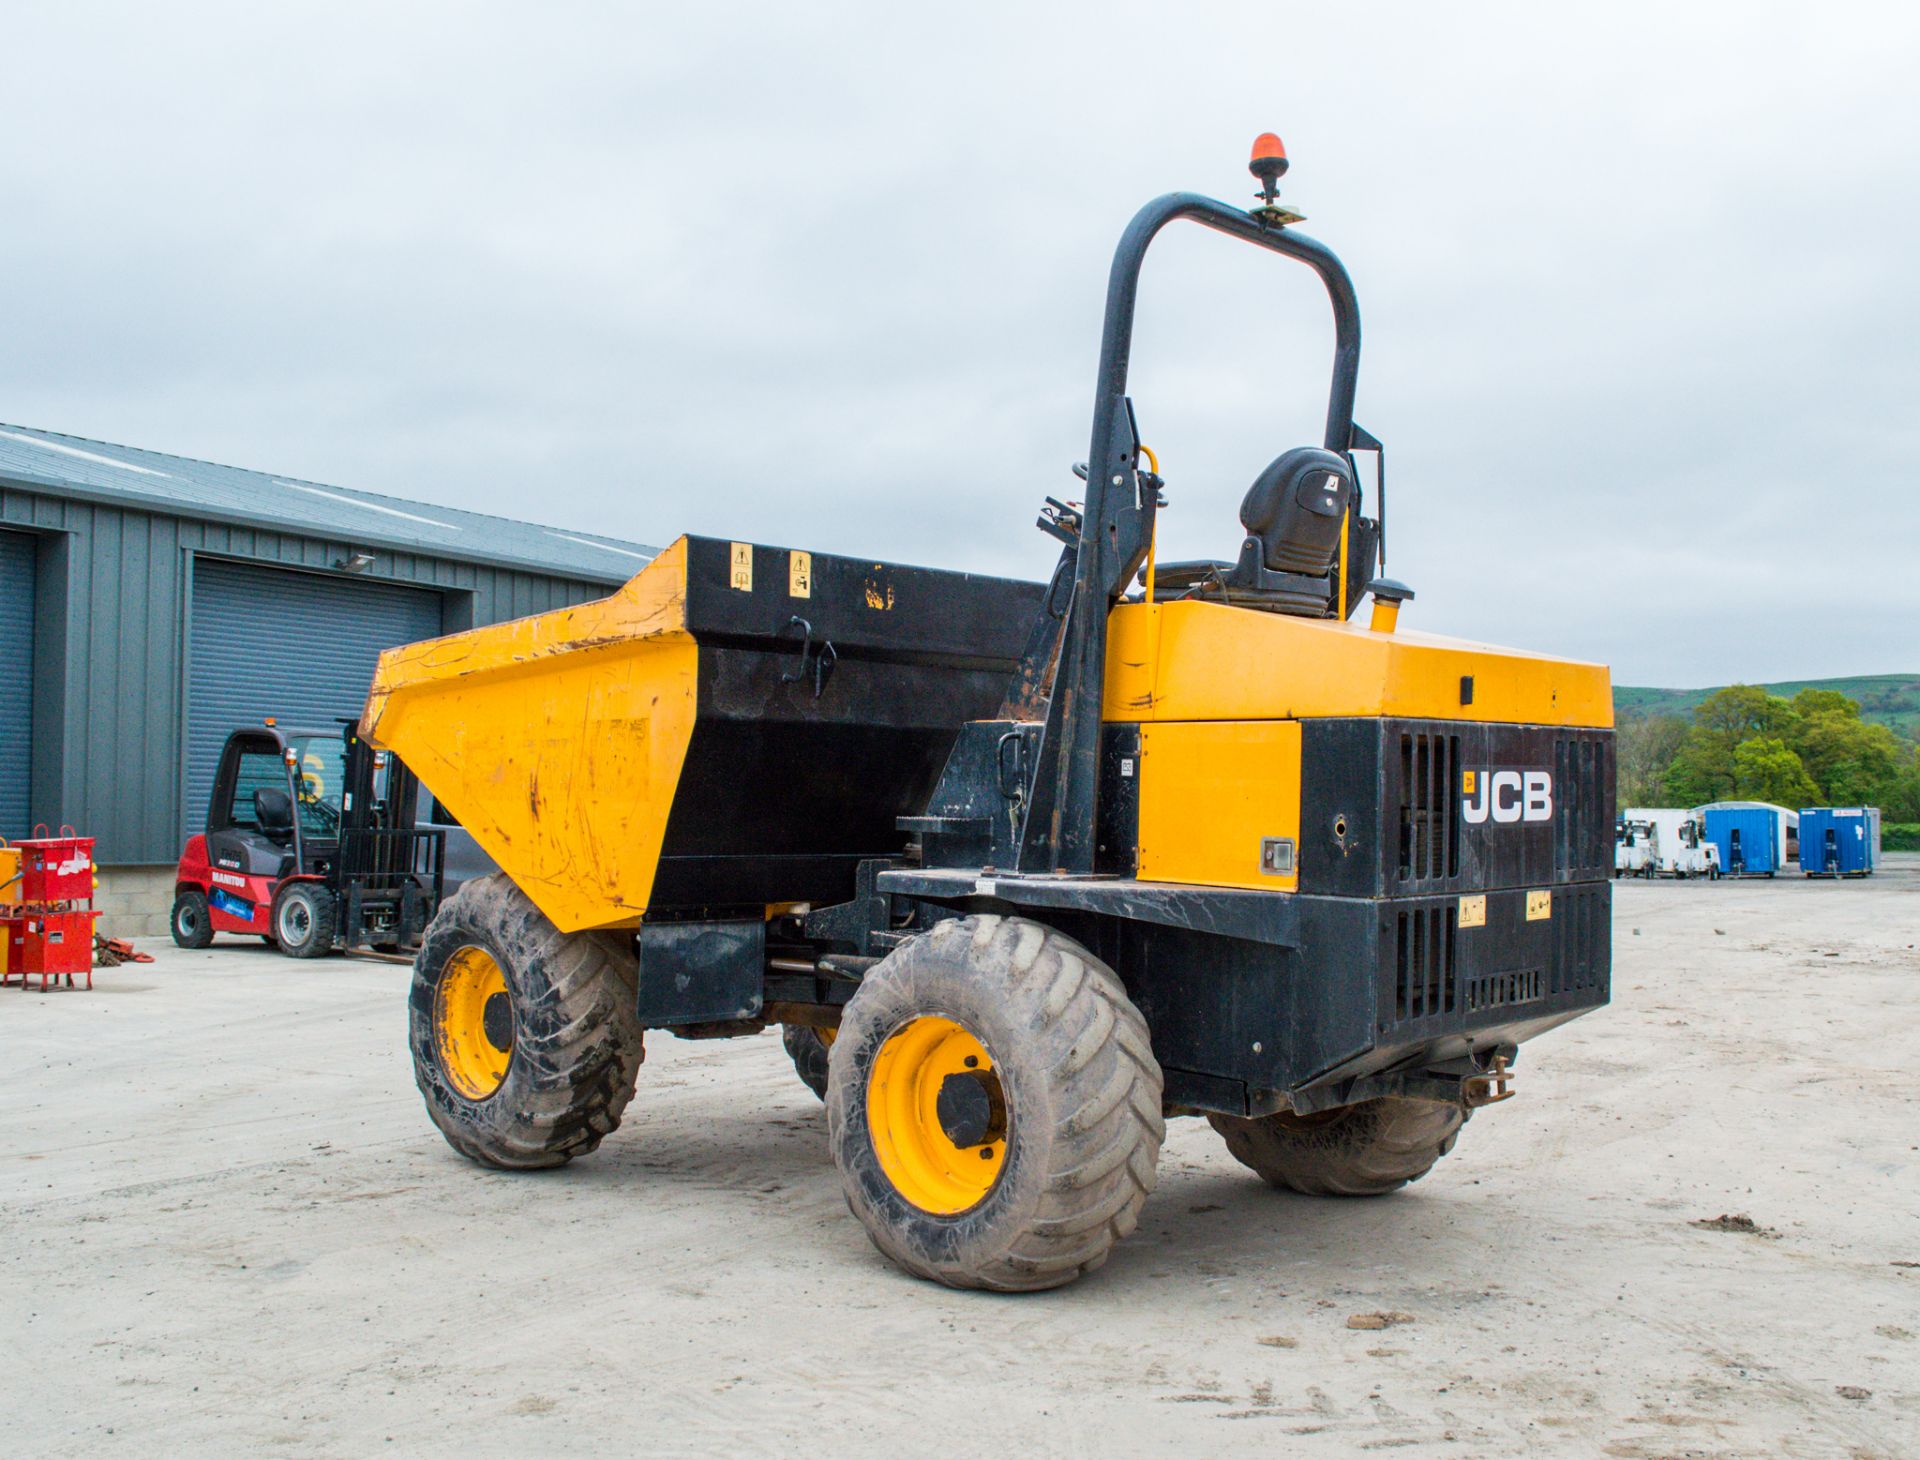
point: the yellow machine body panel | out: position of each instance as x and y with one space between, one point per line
557 740
1220 803
1192 660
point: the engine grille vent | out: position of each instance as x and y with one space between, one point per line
1429 806
1491 990
1582 939
1583 823
1425 981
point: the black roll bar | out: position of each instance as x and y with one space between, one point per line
1117 527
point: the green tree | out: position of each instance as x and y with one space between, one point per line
1700 771
1766 769
1902 801
1644 747
1741 712
1704 768
1744 742
1825 702
1854 763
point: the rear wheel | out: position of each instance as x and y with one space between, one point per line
526 1040
994 1106
190 924
807 1048
304 914
1367 1149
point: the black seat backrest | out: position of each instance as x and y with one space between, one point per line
1295 508
273 809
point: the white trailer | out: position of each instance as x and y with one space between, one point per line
1632 846
1677 842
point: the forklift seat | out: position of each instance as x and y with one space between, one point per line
273 810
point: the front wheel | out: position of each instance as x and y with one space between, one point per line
304 914
1367 1149
526 1040
993 1105
190 924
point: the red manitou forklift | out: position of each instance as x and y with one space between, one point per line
311 845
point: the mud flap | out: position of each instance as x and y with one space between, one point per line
700 973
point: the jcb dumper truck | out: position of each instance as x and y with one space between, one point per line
1024 869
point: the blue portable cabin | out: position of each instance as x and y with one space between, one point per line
1839 841
1748 838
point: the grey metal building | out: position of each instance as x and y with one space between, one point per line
151 603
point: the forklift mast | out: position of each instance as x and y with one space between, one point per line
385 862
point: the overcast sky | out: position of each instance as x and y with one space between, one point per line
1641 319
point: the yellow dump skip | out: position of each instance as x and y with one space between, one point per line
556 740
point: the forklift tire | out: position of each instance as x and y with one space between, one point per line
190 923
526 1041
304 917
993 1105
807 1048
1367 1149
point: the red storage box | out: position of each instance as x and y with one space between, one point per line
50 943
56 869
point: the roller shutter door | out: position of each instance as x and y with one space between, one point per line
16 680
297 646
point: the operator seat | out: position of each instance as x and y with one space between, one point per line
273 811
1290 560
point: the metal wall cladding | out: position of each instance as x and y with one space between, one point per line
296 646
1407 807
17 582
110 648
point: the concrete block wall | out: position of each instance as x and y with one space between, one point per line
134 902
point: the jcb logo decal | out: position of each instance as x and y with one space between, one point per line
1506 796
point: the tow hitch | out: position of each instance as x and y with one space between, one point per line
1491 1088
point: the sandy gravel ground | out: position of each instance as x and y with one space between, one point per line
229 1229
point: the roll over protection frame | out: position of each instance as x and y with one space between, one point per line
1117 526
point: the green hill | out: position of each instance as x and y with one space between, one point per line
1890 699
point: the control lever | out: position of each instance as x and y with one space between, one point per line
1060 521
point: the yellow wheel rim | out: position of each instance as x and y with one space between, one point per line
473 1023
942 1154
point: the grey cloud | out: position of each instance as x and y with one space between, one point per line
1640 315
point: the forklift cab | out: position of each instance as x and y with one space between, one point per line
277 802
311 843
